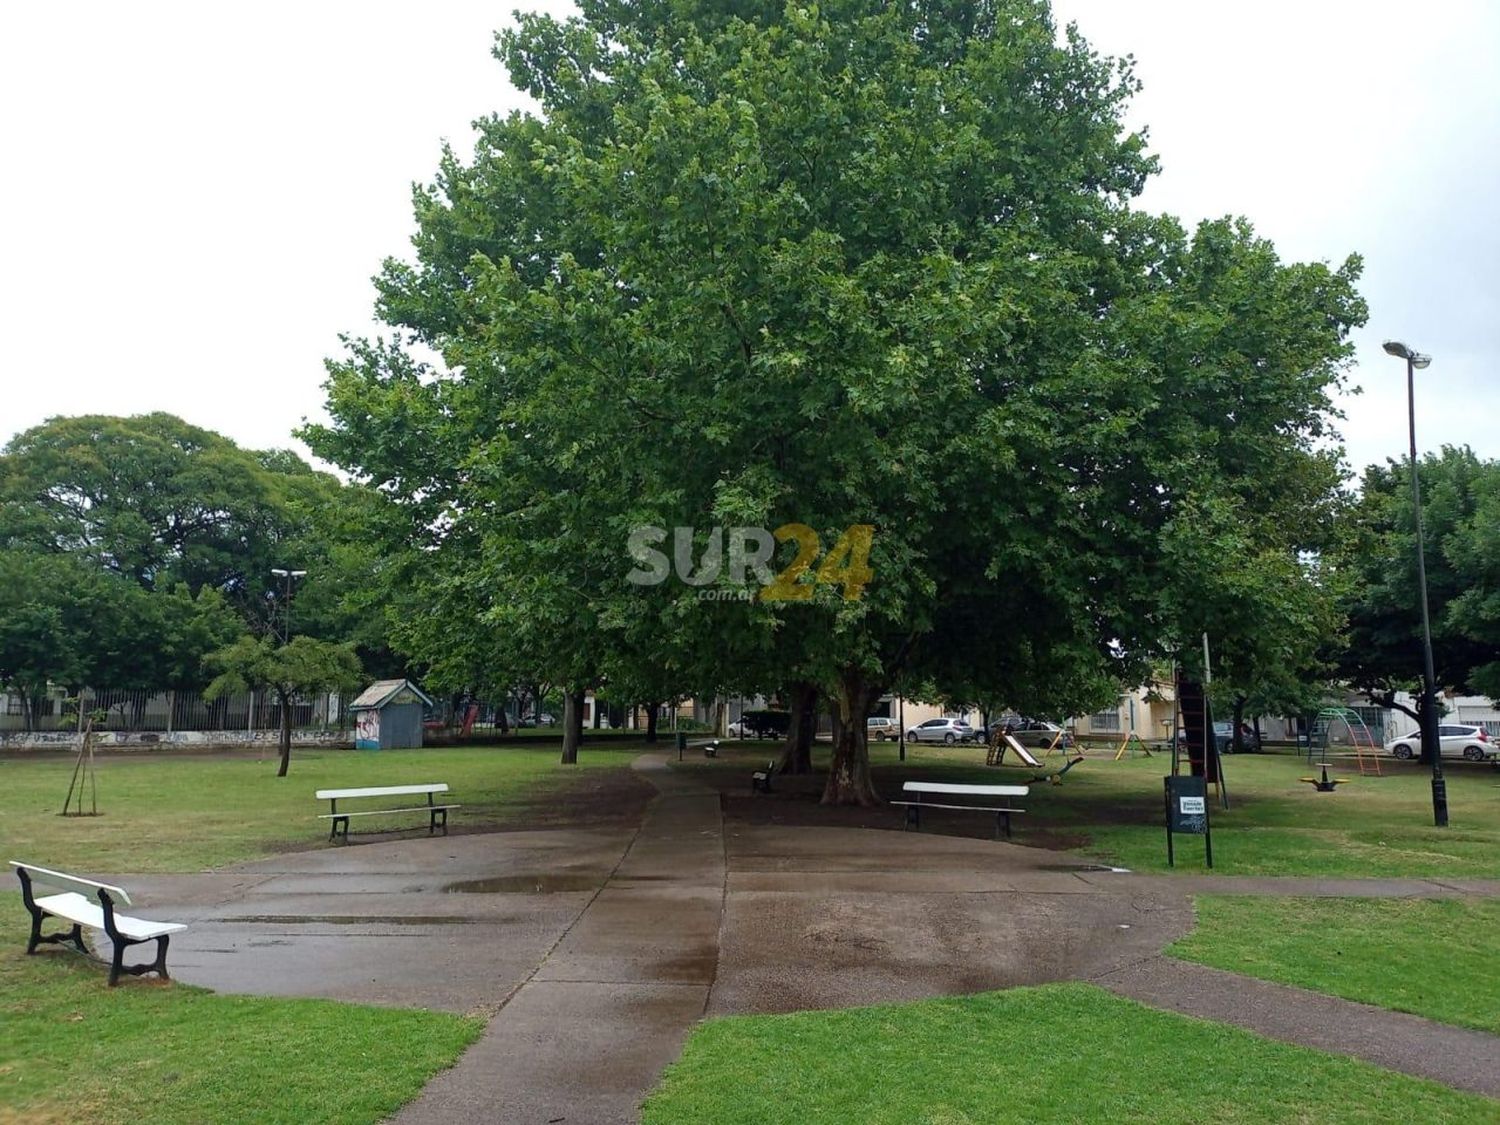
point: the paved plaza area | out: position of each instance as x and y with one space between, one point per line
594 951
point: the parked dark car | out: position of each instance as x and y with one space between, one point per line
1224 736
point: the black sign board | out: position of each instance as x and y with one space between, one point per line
1187 812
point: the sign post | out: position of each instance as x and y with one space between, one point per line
1187 812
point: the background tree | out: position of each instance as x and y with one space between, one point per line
302 667
1377 563
42 638
152 542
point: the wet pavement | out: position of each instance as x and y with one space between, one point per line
596 950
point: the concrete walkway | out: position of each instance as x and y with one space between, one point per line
588 1032
595 951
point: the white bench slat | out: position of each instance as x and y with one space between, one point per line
957 790
66 882
966 808
76 908
378 791
382 812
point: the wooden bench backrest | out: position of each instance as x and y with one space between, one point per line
977 790
378 791
59 880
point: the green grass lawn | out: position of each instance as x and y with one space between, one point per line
1276 824
1432 957
73 1049
1063 1052
174 811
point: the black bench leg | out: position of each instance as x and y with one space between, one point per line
117 963
160 964
438 818
1002 820
75 935
913 817
36 931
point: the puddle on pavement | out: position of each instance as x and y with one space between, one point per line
348 919
1083 867
525 885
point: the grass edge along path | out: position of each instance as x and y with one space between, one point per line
1057 1052
1426 956
74 1049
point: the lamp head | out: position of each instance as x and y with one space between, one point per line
1401 351
276 570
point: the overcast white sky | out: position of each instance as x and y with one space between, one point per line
193 197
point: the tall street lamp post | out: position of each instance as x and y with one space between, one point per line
289 576
1430 745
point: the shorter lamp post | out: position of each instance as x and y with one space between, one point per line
1430 744
901 730
289 575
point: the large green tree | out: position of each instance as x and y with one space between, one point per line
859 264
161 502
152 541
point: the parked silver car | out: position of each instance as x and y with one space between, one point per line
1034 732
941 730
1454 740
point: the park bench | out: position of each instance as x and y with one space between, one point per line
760 780
943 789
437 815
87 903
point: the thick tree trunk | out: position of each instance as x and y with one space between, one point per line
849 772
286 732
572 726
1238 739
796 751
651 710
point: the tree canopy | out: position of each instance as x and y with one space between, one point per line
1460 521
299 668
133 547
860 264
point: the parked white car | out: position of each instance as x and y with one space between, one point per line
941 730
1454 740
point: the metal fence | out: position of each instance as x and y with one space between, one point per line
168 712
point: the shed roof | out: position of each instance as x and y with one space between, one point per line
382 692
